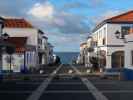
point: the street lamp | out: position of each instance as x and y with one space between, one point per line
117 34
6 46
4 36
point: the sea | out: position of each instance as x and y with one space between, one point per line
67 57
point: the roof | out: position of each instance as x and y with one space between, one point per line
40 31
45 37
19 43
83 44
125 18
16 23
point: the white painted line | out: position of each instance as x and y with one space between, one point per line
106 83
117 91
15 92
95 92
67 83
69 91
38 92
29 83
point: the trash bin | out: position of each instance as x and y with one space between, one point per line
24 69
128 74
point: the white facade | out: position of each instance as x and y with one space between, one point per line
112 42
17 60
82 57
30 33
107 41
32 39
38 45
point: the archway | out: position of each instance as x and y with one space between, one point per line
118 59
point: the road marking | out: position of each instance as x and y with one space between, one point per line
67 91
117 91
67 83
105 83
95 92
15 92
38 92
29 83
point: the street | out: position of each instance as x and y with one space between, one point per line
63 85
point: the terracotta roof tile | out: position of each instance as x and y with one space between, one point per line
19 43
20 50
17 23
125 17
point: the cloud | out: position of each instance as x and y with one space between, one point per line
66 42
64 28
16 8
105 15
86 4
77 5
111 13
95 3
50 18
41 10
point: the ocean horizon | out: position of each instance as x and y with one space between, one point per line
67 57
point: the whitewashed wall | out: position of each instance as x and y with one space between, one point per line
111 38
100 34
17 62
31 33
30 59
128 51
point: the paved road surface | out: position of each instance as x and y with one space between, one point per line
67 87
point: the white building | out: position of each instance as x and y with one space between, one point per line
30 43
82 56
112 41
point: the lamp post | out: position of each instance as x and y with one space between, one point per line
4 38
5 46
117 34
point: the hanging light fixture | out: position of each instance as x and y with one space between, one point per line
117 34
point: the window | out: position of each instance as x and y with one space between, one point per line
104 40
95 43
40 41
125 30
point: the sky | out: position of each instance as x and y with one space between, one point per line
66 23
